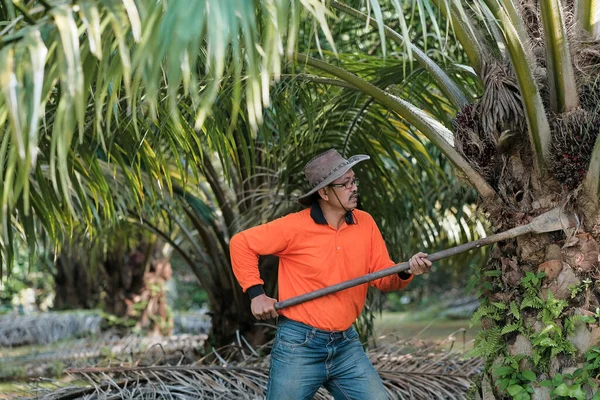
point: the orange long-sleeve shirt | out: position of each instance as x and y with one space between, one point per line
313 255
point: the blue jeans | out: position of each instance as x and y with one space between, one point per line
305 358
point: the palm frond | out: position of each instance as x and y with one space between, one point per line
591 184
537 120
408 368
464 30
87 66
563 90
431 128
588 13
104 350
47 328
445 82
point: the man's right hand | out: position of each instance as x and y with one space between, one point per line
263 307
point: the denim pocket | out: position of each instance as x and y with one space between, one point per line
292 338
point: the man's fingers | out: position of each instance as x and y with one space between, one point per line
419 263
266 314
263 307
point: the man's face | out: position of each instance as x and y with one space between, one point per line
346 190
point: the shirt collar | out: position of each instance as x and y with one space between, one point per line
316 213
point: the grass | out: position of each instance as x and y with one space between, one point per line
9 390
404 326
32 349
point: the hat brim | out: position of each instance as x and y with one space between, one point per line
352 161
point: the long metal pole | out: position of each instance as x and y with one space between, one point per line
509 234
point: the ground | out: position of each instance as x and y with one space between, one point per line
401 325
389 327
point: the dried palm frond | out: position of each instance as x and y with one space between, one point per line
500 106
192 324
105 350
51 327
409 370
414 370
46 328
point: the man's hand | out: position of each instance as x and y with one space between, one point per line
419 264
263 307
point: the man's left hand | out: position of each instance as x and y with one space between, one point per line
419 264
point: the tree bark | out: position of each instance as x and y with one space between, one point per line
539 316
75 287
134 287
227 321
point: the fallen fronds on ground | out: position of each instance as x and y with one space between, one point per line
46 328
409 369
104 350
51 327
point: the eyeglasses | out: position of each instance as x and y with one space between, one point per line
345 185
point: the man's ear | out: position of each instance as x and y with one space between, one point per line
323 194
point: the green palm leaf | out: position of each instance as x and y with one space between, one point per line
431 128
47 65
588 13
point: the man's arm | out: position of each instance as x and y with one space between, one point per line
418 264
245 248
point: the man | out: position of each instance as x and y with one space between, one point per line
327 243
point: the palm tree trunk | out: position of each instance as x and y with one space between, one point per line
539 315
134 287
75 287
229 319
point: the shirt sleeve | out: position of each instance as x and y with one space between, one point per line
380 259
246 246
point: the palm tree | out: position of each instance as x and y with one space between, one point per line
525 142
120 146
267 176
121 271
